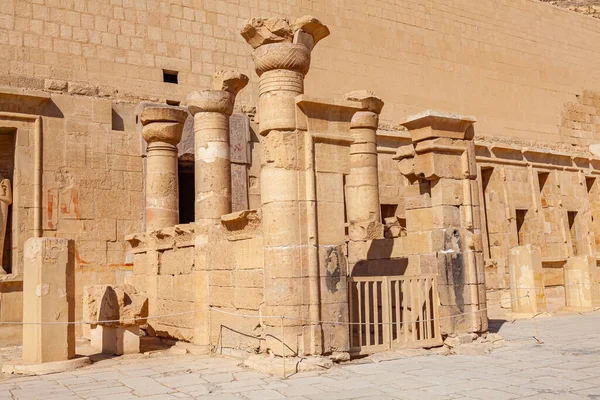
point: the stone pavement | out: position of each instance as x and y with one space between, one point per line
566 366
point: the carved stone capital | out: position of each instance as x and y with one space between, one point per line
365 119
312 26
288 56
219 101
226 84
229 81
368 100
279 44
261 31
163 124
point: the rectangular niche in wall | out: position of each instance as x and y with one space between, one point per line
486 176
388 211
593 191
542 179
572 217
522 233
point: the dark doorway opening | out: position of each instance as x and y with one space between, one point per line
187 193
7 167
572 217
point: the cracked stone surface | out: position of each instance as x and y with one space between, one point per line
565 366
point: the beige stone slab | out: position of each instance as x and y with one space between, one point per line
48 296
526 280
53 367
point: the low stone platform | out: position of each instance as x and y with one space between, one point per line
23 368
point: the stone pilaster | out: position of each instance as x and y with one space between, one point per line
211 110
362 185
282 58
48 296
442 213
162 129
526 280
582 291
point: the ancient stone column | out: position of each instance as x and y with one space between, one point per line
582 291
526 280
162 129
362 185
442 215
48 296
211 110
282 58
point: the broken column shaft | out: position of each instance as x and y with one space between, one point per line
162 129
362 185
211 110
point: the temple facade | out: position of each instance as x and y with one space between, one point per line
284 185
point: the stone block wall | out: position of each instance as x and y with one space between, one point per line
92 181
236 282
163 263
533 197
124 47
331 167
118 52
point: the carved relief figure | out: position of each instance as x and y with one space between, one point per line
5 201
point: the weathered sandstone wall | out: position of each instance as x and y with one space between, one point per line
514 64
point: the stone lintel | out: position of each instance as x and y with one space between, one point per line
432 124
316 114
440 144
35 95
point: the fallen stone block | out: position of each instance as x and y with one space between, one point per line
122 305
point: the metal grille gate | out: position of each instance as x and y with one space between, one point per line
393 312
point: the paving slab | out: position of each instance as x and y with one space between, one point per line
566 366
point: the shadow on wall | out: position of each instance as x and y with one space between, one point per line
379 261
30 105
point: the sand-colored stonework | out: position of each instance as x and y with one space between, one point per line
264 177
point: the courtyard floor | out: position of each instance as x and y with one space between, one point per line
566 366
